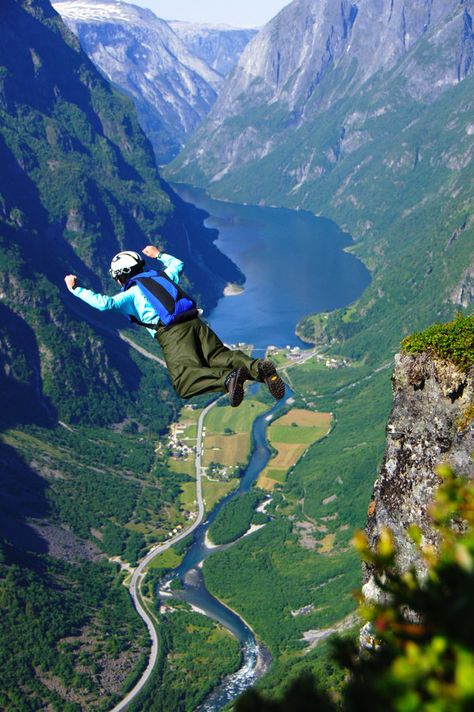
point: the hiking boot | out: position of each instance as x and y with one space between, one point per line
234 384
268 375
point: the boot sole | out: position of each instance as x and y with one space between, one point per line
272 380
237 395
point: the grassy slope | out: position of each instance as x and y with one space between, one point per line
406 194
78 183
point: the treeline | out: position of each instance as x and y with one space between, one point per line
419 636
194 654
275 576
235 518
63 622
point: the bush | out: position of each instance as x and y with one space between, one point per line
422 656
453 341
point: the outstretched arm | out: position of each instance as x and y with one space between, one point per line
121 302
172 266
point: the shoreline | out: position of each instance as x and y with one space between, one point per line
233 290
264 657
209 543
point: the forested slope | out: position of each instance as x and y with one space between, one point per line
81 411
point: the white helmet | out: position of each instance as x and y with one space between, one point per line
126 264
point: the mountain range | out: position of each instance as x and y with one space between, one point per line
220 46
362 111
172 71
367 118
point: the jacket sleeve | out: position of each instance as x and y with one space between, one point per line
171 266
121 302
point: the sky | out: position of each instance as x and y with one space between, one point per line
244 13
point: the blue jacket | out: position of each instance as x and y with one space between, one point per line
133 301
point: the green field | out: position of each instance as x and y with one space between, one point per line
213 492
188 496
290 436
183 466
308 559
237 419
276 475
169 559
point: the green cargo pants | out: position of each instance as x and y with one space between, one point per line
197 360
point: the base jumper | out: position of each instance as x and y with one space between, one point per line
197 360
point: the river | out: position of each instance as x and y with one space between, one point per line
255 658
294 264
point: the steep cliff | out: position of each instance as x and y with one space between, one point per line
362 112
311 57
78 183
431 423
172 87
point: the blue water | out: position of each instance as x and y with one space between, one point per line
195 593
294 265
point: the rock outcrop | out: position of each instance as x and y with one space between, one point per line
367 54
430 424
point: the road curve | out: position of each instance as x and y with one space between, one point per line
138 574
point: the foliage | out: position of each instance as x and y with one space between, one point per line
234 518
466 418
277 572
107 486
423 637
453 341
195 653
62 622
277 576
426 658
136 547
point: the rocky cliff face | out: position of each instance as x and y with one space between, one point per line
219 46
312 56
173 88
430 424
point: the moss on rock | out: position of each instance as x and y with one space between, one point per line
453 341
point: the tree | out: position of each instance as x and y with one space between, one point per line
422 658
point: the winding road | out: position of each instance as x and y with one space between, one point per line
139 572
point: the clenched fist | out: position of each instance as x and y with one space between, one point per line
151 251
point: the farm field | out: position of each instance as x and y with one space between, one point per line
237 419
290 436
227 435
226 444
213 492
226 449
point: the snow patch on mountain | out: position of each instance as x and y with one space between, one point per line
173 89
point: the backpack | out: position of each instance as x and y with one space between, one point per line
169 301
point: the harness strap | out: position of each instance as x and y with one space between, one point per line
181 291
158 291
179 319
